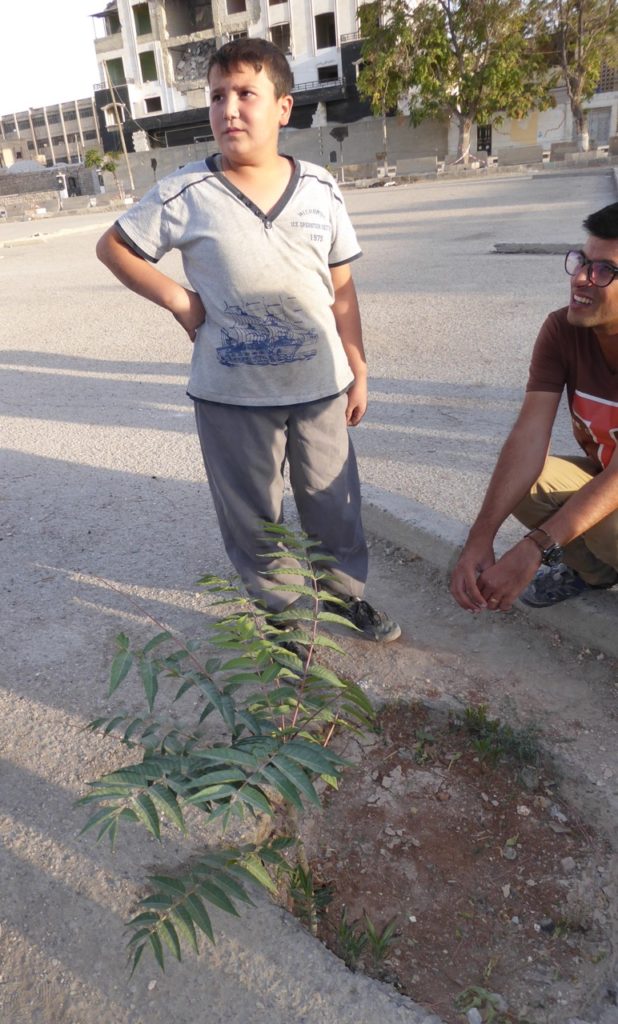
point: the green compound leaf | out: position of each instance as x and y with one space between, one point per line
199 915
147 814
169 935
184 923
150 682
121 666
166 801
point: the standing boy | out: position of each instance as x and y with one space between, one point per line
278 369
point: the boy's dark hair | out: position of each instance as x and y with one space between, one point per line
258 53
603 223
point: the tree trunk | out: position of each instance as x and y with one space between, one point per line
385 141
580 127
463 143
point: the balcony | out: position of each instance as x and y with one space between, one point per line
319 92
107 43
115 85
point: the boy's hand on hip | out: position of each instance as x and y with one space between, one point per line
357 403
188 310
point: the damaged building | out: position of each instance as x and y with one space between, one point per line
153 58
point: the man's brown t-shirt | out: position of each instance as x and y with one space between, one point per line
566 355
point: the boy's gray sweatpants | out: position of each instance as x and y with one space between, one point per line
245 450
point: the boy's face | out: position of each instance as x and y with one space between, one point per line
245 114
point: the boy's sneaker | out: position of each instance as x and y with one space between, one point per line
374 625
553 584
278 632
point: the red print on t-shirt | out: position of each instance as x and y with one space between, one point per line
595 423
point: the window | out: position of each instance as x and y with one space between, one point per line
22 125
280 36
153 104
53 118
38 122
93 135
608 81
325 34
62 159
238 35
115 71
30 145
141 16
148 66
236 6
57 140
328 73
86 112
69 115
112 23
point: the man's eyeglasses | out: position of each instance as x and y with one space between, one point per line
597 271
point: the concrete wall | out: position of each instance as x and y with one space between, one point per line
32 182
315 144
27 182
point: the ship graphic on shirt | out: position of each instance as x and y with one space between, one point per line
264 337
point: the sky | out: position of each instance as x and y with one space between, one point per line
46 52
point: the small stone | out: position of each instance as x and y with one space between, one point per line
387 782
506 891
509 853
523 811
568 865
547 925
500 1003
474 1016
515 920
152 986
557 814
530 778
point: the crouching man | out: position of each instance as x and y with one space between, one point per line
568 504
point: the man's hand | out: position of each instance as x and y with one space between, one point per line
476 557
503 582
188 310
357 402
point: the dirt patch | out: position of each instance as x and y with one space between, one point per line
496 884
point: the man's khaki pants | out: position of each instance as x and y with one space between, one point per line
594 555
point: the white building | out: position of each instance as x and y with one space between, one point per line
153 55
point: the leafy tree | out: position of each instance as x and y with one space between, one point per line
383 79
471 60
107 162
583 35
276 708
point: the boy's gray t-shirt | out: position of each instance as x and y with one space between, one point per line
269 337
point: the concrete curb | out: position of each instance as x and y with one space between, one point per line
590 620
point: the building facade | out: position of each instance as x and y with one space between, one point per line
57 134
153 58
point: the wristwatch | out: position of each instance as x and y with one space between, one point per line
551 552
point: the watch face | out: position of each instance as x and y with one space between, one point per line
552 555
